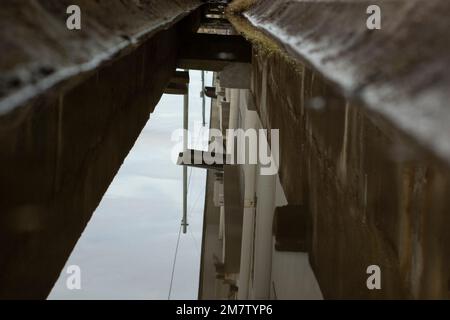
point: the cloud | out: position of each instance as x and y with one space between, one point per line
126 251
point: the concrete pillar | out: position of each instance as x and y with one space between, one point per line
265 190
263 235
234 114
249 216
234 108
221 223
184 222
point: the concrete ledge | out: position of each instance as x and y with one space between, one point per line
400 72
39 52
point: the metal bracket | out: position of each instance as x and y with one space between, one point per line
250 203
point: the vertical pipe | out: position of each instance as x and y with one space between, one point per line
231 144
263 236
185 148
204 99
249 216
221 223
265 191
184 222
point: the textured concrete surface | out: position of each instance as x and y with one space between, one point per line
365 143
61 149
374 196
399 72
59 154
39 52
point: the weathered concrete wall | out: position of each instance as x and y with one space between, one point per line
39 52
374 196
58 156
60 151
399 72
364 136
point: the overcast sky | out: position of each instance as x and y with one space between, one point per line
127 249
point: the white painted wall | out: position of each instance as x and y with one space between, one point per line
276 275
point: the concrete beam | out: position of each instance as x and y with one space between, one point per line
399 72
290 228
176 89
60 58
234 208
213 52
180 77
236 76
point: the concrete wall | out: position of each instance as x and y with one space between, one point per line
266 273
374 195
58 155
398 72
40 53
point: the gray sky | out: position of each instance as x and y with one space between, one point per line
127 249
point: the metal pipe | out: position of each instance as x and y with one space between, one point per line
249 217
204 99
184 222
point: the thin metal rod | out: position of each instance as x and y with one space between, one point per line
185 148
174 264
204 98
